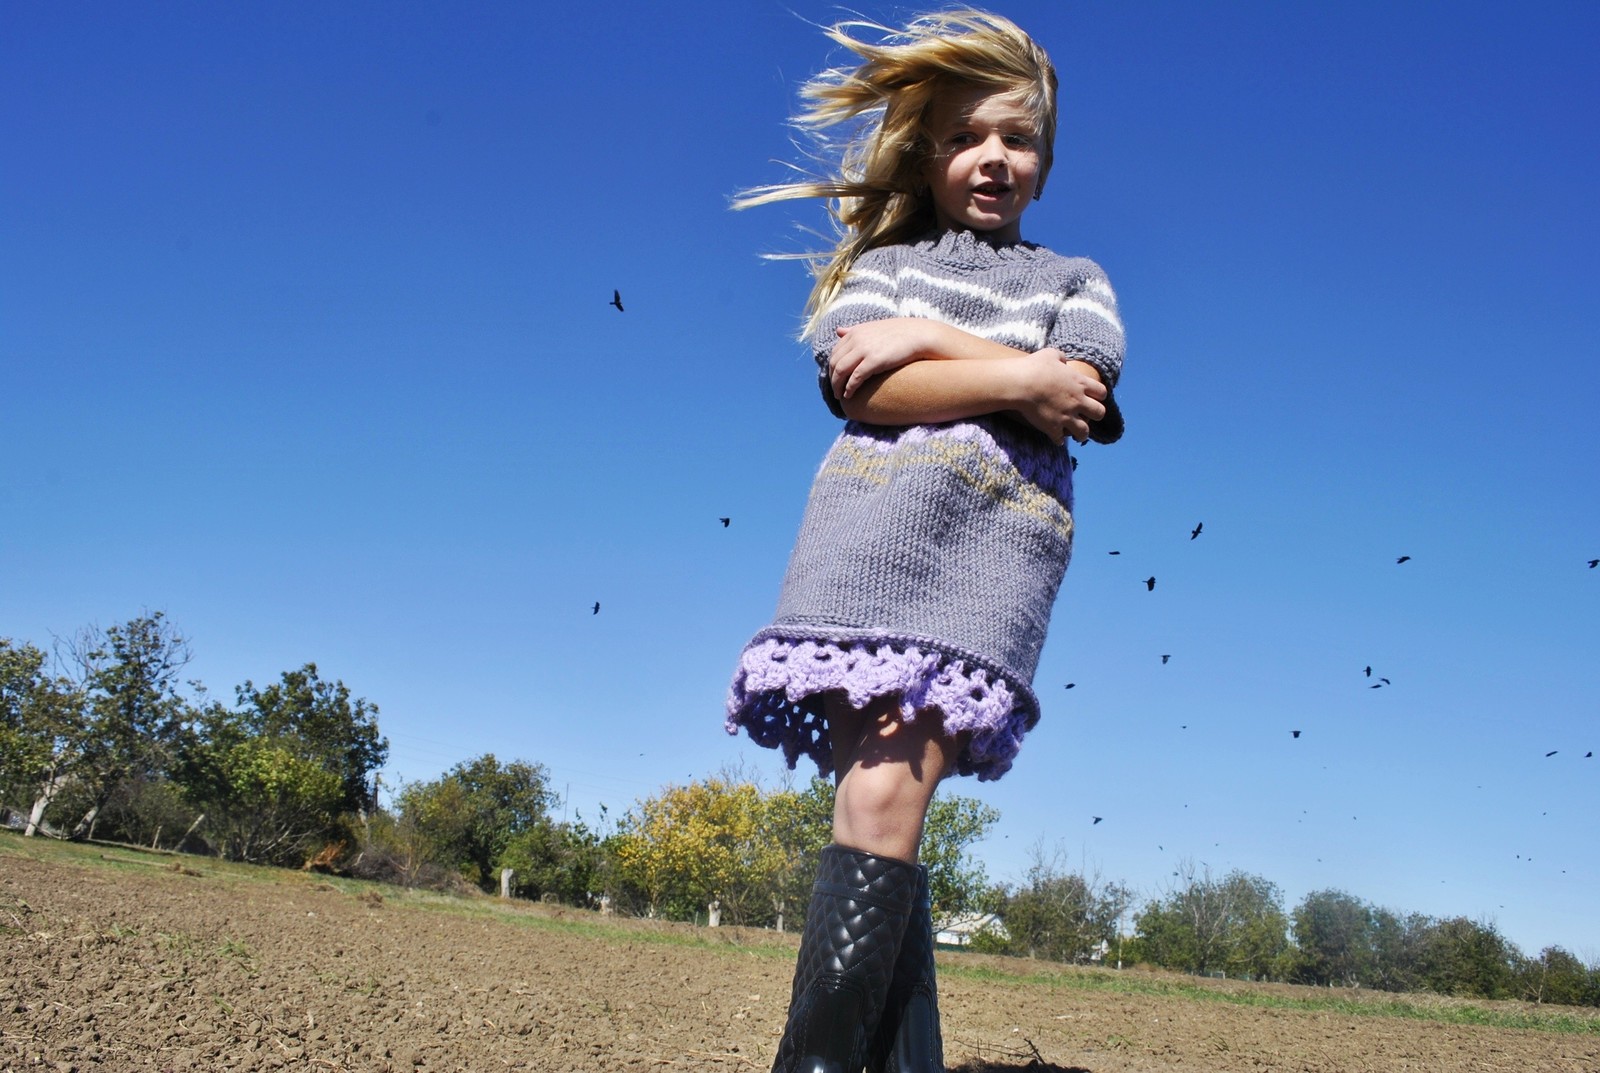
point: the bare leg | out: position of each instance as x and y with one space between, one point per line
886 772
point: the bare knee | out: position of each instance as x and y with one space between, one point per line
883 796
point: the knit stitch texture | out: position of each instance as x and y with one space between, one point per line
930 556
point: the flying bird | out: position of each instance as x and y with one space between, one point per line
1594 563
1165 656
1097 819
724 522
616 300
1070 685
1150 584
1369 672
1296 733
1551 753
1113 553
1588 755
596 610
1403 559
1196 530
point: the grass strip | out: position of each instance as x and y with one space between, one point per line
1371 1003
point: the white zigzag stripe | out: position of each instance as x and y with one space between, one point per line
867 300
876 277
1088 305
1023 333
1016 305
999 301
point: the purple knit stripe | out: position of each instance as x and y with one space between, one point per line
777 693
1040 463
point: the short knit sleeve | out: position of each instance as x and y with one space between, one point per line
870 292
1087 325
1088 328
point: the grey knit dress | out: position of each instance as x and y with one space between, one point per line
929 556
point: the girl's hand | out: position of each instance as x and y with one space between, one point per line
1060 396
876 347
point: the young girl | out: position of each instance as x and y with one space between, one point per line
939 526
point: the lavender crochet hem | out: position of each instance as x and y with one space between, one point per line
778 689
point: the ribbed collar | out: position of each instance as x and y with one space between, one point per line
971 249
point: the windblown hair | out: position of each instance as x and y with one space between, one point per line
879 195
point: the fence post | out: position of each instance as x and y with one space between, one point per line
505 882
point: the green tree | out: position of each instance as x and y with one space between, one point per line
566 861
797 824
128 675
1398 942
956 879
468 818
1555 976
275 776
1062 915
702 842
41 728
1466 958
1335 938
318 722
1234 925
281 805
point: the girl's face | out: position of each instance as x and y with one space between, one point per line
984 167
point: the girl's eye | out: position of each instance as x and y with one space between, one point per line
1019 141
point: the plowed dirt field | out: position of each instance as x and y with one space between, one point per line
113 959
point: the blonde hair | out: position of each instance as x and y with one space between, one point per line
879 196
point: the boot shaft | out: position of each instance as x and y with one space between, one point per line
848 950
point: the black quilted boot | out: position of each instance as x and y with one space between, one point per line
859 906
908 1040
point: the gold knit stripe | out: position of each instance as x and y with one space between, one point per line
999 481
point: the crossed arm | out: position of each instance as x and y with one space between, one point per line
910 370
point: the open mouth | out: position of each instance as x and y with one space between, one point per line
992 189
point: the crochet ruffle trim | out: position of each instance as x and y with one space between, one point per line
776 697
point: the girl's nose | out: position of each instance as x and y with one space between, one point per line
994 150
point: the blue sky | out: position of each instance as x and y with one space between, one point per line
304 339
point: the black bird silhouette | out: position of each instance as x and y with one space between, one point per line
1113 553
1403 559
1369 672
1196 530
724 522
1071 684
1296 733
1150 584
1165 656
1074 460
1594 563
1097 819
616 300
1551 753
596 610
1588 755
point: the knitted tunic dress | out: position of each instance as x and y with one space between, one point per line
930 555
